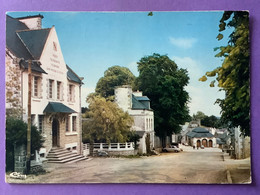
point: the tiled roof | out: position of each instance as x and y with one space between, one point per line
13 43
199 132
34 40
142 98
72 76
57 107
35 67
137 104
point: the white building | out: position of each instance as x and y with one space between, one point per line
55 103
200 136
138 106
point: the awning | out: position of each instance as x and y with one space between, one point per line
57 107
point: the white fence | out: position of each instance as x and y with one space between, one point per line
112 147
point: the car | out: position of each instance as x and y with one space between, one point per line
172 148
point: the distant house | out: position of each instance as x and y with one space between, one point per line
200 136
55 103
138 106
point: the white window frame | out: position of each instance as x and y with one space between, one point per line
74 123
59 90
41 123
50 86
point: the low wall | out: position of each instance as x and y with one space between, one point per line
121 153
112 149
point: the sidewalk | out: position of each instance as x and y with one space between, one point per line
238 171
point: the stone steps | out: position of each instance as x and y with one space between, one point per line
60 155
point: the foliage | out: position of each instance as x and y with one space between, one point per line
106 123
133 137
16 133
199 115
211 121
163 82
114 76
233 75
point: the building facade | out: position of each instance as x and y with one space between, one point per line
199 137
56 88
138 107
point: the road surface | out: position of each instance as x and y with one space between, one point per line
190 166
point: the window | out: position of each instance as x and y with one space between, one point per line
35 86
74 123
36 92
40 123
58 90
32 119
71 93
51 88
67 123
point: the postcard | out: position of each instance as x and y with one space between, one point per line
128 97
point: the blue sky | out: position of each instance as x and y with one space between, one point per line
93 41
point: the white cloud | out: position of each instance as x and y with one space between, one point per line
202 96
84 93
184 43
203 99
191 65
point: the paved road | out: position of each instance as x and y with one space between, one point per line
189 166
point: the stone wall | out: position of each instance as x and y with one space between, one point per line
20 159
247 147
121 153
13 85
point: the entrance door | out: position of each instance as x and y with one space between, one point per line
204 143
55 132
210 143
198 143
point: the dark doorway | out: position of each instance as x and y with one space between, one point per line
198 143
55 133
210 143
204 143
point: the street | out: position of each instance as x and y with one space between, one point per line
190 166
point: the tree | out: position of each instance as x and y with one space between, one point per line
114 76
16 134
163 82
210 121
199 115
233 75
107 122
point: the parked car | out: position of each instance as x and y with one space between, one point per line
172 148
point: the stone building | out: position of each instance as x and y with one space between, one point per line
200 136
56 88
138 106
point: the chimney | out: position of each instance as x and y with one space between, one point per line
32 22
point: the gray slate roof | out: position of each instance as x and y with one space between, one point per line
142 98
34 40
138 105
72 76
13 42
35 66
54 107
28 44
199 132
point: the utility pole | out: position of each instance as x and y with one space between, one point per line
28 156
